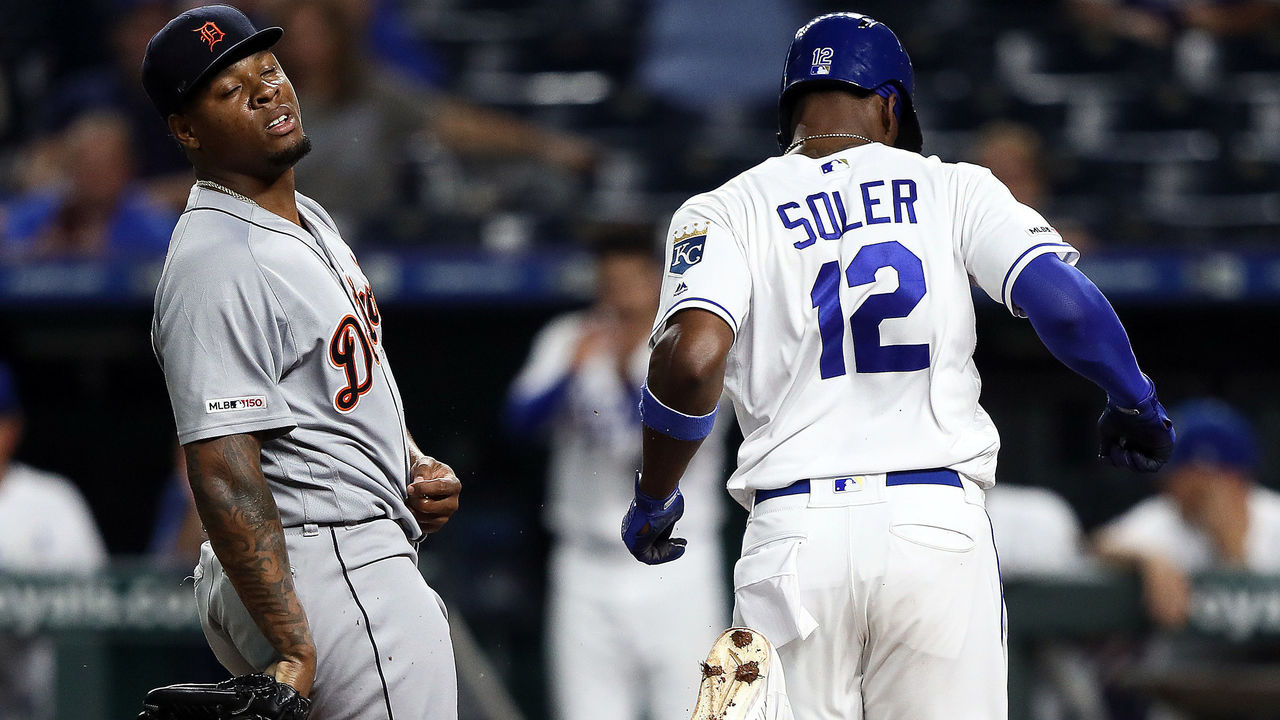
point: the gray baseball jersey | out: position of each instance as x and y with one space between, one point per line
264 325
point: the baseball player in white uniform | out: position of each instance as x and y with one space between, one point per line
273 349
827 291
579 388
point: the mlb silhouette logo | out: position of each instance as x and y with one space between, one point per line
848 484
833 165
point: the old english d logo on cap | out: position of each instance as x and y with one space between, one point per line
210 33
193 47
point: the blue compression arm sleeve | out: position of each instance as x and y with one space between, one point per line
526 416
1076 323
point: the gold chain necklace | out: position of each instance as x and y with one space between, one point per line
855 136
224 189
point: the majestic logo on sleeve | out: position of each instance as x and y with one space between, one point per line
211 34
687 248
351 351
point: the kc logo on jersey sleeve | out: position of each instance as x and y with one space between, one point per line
687 248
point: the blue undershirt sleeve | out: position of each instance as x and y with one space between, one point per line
1077 324
527 415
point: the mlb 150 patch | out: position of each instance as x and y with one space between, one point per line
247 402
687 249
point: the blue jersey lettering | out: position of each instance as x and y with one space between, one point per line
790 224
904 196
829 216
868 203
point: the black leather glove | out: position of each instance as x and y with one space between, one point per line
247 697
1139 438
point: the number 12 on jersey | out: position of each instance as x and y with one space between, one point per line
869 355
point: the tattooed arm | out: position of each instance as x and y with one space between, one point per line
244 529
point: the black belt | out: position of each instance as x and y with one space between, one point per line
937 476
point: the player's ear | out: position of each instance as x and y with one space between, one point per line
180 127
890 118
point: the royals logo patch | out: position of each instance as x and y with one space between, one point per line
687 248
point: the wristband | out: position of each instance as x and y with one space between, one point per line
1145 402
673 423
652 505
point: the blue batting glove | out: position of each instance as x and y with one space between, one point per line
1139 438
647 526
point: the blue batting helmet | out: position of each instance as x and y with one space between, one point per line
847 49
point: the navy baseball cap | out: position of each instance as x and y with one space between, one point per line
1212 432
9 404
194 47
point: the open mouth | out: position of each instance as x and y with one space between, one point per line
282 125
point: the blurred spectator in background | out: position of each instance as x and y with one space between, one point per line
1210 513
711 68
45 527
1038 533
1015 155
391 41
116 87
693 59
178 533
95 210
1158 23
1197 37
366 121
581 386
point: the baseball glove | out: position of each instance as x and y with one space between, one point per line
247 697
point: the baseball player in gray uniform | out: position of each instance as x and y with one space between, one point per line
312 492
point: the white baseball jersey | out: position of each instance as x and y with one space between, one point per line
846 281
1036 531
1155 526
598 595
595 445
45 527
